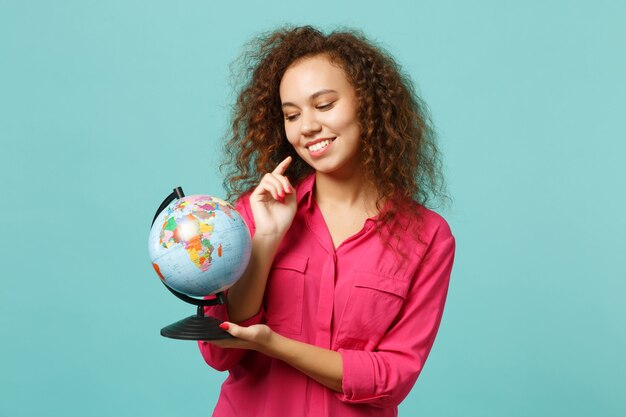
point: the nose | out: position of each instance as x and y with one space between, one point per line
310 124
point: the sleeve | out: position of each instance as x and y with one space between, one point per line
218 358
384 377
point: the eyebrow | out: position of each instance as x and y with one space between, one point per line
313 96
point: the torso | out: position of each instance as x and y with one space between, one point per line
344 300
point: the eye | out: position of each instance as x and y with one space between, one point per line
291 117
327 106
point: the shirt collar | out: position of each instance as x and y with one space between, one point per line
304 191
305 199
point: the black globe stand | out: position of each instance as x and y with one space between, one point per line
198 327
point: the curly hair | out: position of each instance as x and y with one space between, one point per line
399 155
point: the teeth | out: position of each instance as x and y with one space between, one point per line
320 145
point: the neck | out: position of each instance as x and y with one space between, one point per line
345 191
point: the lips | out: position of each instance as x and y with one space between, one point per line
316 141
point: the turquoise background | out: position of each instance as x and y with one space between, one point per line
106 106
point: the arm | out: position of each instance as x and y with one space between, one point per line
385 376
323 365
246 296
215 356
382 377
273 205
268 211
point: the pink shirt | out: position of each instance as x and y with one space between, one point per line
379 309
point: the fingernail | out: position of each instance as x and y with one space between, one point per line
288 189
224 326
281 194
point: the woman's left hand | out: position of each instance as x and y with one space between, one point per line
256 337
323 365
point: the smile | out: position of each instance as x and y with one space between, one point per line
318 147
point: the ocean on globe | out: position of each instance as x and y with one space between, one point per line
199 245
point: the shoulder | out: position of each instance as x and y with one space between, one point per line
418 218
423 222
434 245
434 224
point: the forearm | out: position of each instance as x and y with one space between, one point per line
246 296
323 365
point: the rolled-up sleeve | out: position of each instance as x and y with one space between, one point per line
223 359
383 377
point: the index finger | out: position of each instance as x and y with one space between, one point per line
282 167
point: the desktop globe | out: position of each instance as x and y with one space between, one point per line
199 246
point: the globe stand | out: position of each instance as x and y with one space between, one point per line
198 327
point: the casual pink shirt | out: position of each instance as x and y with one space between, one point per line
380 308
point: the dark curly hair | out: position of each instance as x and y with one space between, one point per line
398 155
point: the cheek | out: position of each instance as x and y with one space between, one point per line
342 120
291 132
346 126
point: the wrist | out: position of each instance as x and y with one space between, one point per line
271 346
266 243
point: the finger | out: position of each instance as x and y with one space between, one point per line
270 185
235 330
282 167
230 343
222 343
276 181
285 183
282 183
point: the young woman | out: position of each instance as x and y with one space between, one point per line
332 163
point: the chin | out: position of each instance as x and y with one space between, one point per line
334 169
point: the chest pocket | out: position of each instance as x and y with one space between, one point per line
284 294
373 303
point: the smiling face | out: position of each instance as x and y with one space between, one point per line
320 114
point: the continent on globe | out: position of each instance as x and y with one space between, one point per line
183 243
194 233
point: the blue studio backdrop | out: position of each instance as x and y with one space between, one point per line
106 106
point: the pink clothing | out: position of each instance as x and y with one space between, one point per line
379 309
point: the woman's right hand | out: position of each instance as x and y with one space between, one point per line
273 203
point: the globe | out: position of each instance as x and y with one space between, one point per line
199 245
